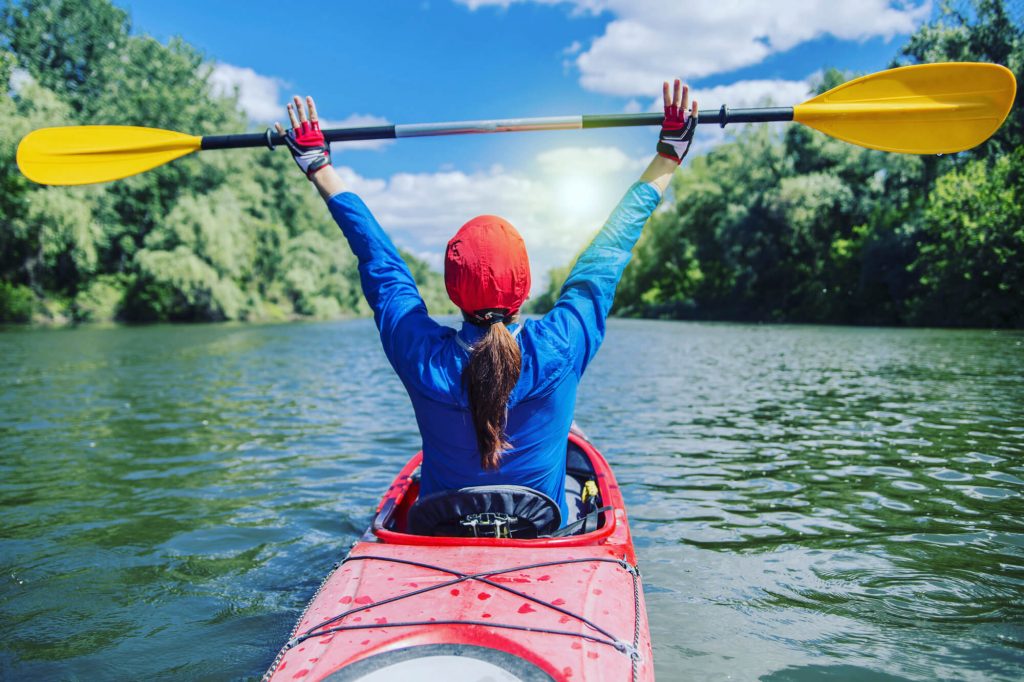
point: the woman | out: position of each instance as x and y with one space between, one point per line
494 400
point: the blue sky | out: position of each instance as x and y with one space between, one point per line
409 61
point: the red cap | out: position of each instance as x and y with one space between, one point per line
486 266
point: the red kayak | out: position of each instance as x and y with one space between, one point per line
489 605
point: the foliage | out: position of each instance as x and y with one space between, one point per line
796 226
225 236
969 247
16 302
101 301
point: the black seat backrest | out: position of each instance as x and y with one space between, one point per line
485 511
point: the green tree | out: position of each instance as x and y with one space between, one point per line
808 228
65 44
227 235
969 247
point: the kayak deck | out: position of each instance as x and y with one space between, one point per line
565 608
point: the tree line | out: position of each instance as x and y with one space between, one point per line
228 236
799 227
791 227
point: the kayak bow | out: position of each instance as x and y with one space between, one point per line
400 605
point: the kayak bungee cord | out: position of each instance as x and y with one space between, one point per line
479 577
482 578
632 650
635 662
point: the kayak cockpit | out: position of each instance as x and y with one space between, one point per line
495 511
501 514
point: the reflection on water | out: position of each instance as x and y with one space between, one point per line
809 503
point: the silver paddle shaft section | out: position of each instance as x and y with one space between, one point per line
505 125
720 116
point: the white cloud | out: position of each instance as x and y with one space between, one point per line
748 93
650 40
19 80
741 94
260 98
597 160
357 121
751 93
590 6
556 209
258 95
632 107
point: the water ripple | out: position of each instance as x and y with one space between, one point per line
808 502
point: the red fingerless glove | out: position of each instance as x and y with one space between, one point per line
676 133
308 147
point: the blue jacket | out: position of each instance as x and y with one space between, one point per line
429 357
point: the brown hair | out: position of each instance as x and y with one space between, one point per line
493 370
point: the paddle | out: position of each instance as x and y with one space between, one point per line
923 109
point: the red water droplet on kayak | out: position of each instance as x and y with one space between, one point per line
558 602
564 619
526 608
364 600
313 660
577 645
282 666
326 639
345 600
455 593
567 671
412 584
365 642
597 591
483 596
380 621
357 619
301 673
591 654
544 577
486 615
432 620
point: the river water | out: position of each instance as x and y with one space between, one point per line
808 502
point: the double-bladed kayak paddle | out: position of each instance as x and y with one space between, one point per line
923 109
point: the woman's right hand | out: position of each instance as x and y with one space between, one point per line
304 139
678 127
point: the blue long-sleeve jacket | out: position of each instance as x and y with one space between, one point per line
429 358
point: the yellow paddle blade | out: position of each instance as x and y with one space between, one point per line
80 155
923 109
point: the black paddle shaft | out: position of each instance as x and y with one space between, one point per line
272 139
722 117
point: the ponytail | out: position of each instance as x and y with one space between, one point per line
493 371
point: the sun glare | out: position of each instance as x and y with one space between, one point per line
577 197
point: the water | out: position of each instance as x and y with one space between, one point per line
808 502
